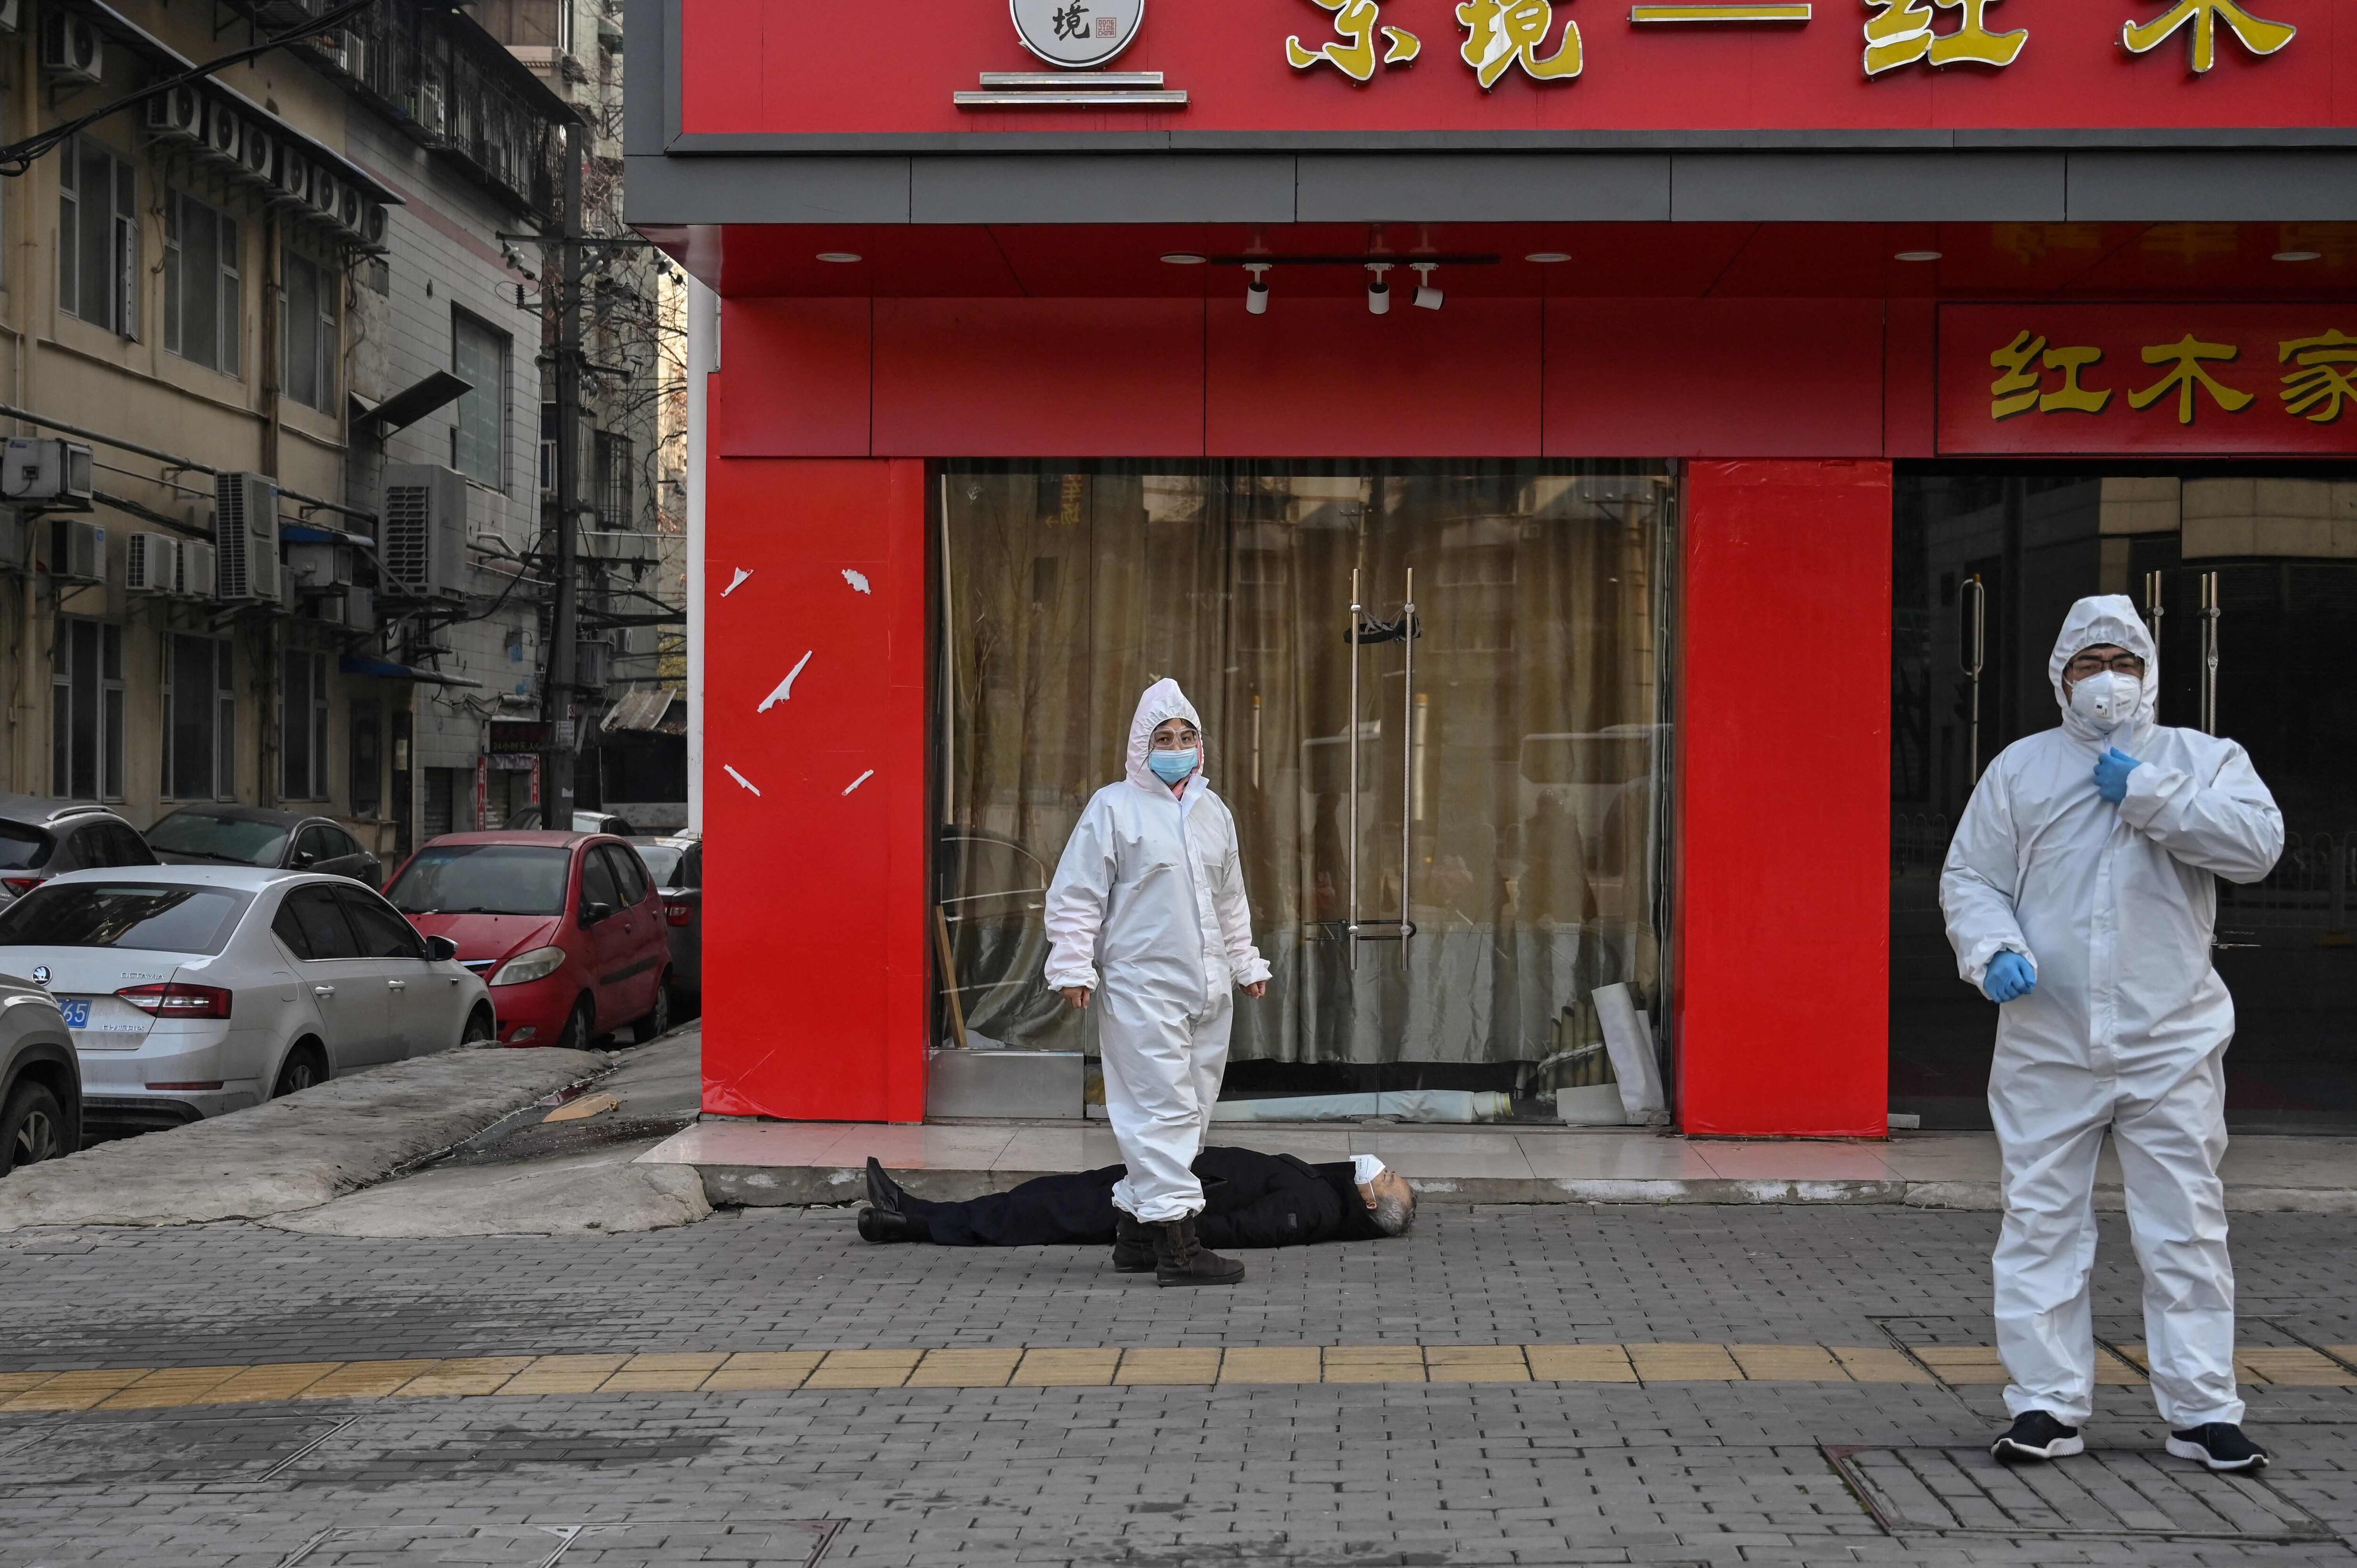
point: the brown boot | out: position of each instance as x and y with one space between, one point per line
1179 1259
1133 1244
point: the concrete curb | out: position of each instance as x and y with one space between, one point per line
295 1153
803 1186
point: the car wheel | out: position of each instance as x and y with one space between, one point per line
304 1069
580 1030
479 1030
659 1021
32 1128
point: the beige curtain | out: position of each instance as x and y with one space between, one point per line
1520 784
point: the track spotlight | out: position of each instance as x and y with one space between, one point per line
1426 297
1256 292
1379 293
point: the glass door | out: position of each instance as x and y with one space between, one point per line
1450 809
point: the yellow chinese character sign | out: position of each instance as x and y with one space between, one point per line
2063 379
1354 53
1903 33
2256 34
1504 34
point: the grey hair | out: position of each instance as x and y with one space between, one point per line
1394 1215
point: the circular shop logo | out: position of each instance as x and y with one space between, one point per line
40 975
1077 33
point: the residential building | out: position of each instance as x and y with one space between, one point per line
244 276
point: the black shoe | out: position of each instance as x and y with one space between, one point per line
1181 1259
1133 1245
2220 1444
885 1225
2035 1437
882 1190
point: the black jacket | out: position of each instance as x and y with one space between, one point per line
1252 1200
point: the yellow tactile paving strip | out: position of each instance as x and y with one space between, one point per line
1018 1367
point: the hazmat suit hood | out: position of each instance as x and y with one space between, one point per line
1164 701
2100 619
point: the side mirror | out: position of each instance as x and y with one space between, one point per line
440 950
594 911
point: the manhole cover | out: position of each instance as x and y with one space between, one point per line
1963 1491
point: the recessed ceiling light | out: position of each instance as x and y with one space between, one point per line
1183 259
1547 258
2299 255
1917 255
838 255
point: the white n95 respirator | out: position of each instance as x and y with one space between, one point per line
2107 701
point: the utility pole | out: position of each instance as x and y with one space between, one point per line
563 741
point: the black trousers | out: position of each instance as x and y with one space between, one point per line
1075 1209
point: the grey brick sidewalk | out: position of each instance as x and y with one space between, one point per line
1325 1476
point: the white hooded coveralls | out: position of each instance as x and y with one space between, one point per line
2113 907
1148 909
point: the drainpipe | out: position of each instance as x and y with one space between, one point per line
265 674
703 359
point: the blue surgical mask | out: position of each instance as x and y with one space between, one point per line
1170 766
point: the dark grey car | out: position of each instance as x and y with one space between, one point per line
40 1079
255 836
676 865
41 839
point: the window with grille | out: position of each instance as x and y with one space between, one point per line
479 356
313 343
616 468
303 726
200 719
203 293
86 705
98 237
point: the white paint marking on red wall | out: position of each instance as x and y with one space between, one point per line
785 688
856 783
737 581
858 581
740 778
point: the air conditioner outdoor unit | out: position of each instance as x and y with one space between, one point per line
593 664
622 544
258 152
327 191
197 574
76 551
375 222
319 568
178 115
152 563
354 609
45 471
294 176
351 207
421 540
224 133
637 643
71 49
245 537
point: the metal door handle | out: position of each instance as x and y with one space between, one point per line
323 990
396 985
1975 660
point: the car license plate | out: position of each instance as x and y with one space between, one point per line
102 1015
77 1012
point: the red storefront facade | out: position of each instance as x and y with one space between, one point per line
1782 264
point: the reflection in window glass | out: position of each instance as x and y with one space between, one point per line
1525 773
165 919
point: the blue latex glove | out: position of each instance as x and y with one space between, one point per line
2112 770
2009 976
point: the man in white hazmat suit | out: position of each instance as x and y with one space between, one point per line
1147 907
2080 896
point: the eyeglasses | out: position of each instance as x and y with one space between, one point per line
2086 664
1179 742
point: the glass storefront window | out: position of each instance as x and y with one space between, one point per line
1512 803
2251 582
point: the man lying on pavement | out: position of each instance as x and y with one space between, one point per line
1251 1199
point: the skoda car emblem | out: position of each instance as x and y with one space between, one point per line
40 975
1078 34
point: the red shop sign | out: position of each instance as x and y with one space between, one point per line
2070 380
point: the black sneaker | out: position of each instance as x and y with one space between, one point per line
2036 1438
2220 1444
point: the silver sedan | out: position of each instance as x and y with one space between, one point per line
193 990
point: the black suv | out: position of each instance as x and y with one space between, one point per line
39 839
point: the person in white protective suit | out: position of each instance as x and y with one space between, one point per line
2080 896
1147 912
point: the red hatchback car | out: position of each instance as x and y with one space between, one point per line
566 928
